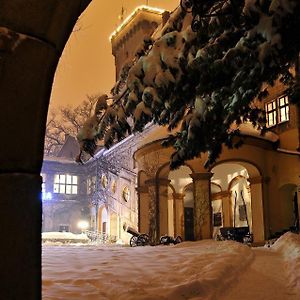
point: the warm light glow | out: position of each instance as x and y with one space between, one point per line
83 225
139 8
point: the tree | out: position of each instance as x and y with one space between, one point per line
66 120
208 82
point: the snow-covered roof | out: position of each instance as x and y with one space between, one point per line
248 129
59 160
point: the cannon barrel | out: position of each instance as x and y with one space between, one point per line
132 231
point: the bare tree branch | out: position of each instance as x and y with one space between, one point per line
64 121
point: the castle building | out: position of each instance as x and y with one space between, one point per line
254 187
103 191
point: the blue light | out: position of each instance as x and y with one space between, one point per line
46 196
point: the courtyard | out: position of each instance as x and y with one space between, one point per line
203 270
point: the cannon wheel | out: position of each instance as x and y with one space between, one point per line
143 239
165 240
178 240
133 241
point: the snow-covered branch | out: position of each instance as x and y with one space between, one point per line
206 81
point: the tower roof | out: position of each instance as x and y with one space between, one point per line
137 10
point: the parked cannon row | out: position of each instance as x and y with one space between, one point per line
142 239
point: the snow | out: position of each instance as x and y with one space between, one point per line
203 270
248 129
289 246
64 237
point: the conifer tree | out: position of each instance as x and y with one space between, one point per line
202 82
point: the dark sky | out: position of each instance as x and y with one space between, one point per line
87 65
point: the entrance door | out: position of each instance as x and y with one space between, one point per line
188 223
104 227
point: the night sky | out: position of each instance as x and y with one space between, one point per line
87 65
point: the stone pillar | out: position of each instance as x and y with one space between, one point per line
227 209
178 214
257 208
143 200
20 252
163 185
202 206
33 34
153 211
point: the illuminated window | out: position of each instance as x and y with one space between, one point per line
283 107
126 193
65 184
277 111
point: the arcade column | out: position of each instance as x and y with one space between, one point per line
226 207
178 199
163 185
144 200
258 225
202 206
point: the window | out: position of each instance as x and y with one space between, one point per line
91 185
283 107
277 111
65 184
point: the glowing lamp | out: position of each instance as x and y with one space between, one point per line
83 225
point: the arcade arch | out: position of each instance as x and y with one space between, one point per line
240 201
103 220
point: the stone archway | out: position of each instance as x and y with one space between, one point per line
31 44
180 210
228 173
103 220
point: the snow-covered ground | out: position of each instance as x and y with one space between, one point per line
204 270
64 237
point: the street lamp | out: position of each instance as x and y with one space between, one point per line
83 225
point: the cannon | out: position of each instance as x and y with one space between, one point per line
137 239
167 240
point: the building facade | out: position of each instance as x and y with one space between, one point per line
100 193
255 186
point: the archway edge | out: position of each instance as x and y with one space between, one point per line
48 21
252 168
233 180
38 31
166 166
